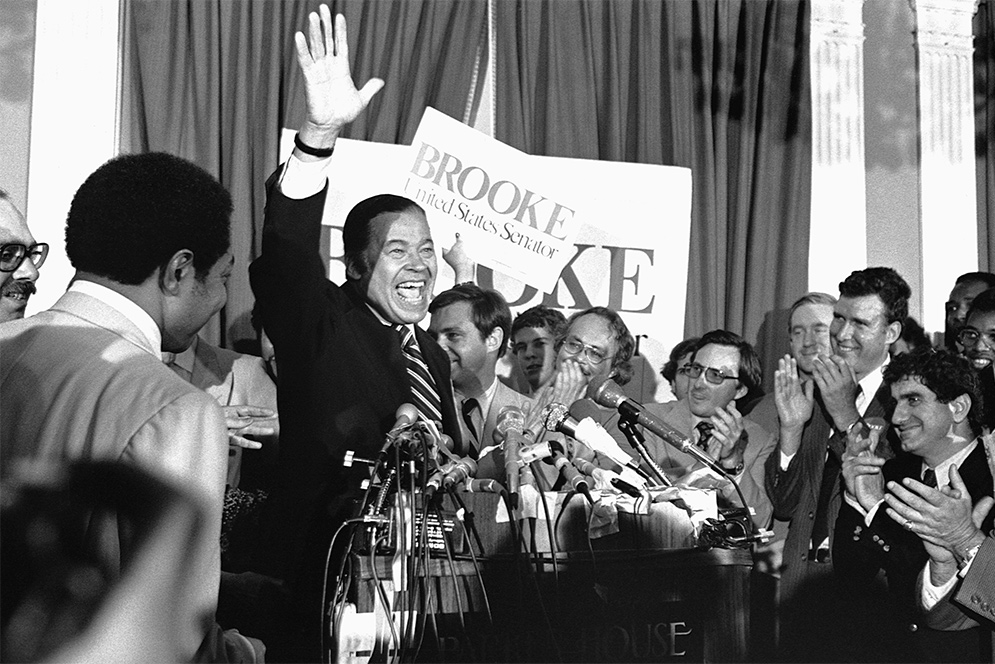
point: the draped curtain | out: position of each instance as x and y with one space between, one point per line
984 120
214 81
719 86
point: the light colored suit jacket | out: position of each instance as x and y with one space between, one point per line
81 382
491 466
233 379
676 463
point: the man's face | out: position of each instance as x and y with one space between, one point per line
598 340
17 286
861 334
401 266
809 333
197 301
704 397
923 423
535 350
957 306
682 382
453 328
982 352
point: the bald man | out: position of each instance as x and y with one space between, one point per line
20 258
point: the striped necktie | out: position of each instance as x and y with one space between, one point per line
424 394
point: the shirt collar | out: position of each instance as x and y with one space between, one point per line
127 308
943 468
384 321
184 360
869 385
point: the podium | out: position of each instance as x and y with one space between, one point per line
647 593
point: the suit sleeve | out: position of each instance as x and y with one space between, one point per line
783 486
289 277
187 442
977 591
752 481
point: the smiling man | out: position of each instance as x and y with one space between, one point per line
937 417
84 380
533 344
348 354
471 324
977 338
20 259
966 288
724 369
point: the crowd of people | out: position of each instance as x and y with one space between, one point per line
870 451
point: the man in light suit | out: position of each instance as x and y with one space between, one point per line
472 325
244 390
85 380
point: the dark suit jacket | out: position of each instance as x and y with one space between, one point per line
794 492
342 377
861 551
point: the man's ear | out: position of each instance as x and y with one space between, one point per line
960 407
178 268
741 392
493 341
353 269
893 332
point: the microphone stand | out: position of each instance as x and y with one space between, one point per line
628 418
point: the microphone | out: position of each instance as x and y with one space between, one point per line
510 422
535 452
599 474
570 474
463 469
584 430
484 486
610 395
406 415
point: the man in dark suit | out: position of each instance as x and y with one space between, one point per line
937 417
343 372
814 415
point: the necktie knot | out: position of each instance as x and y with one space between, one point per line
929 478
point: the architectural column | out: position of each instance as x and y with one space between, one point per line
74 126
948 200
837 243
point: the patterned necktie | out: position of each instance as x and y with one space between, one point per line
704 434
469 408
424 394
929 478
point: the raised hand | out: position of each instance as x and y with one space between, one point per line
862 470
728 443
838 387
458 258
795 401
332 98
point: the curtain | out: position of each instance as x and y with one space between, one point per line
719 86
214 81
984 120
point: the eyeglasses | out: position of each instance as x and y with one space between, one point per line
12 255
713 376
968 337
592 354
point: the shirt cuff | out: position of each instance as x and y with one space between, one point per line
931 595
303 179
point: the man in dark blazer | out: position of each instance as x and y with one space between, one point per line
821 393
342 371
937 417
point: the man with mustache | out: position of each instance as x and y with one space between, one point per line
20 259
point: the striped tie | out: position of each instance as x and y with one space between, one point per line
423 392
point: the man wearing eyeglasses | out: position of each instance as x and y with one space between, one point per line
723 370
966 288
20 259
977 338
